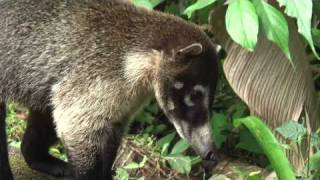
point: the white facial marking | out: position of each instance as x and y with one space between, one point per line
170 105
203 130
200 88
204 91
202 135
179 129
178 85
188 101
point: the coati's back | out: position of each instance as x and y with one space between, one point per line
42 40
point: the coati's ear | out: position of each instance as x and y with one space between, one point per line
192 49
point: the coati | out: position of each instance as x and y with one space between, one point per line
83 67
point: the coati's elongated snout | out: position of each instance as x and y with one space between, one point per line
185 89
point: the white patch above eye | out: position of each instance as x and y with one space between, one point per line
178 85
200 88
204 91
188 101
170 105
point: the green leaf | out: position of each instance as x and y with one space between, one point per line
141 178
302 10
270 146
144 118
242 23
122 174
180 147
143 3
166 139
256 175
248 142
274 24
160 128
219 124
17 144
197 5
149 129
315 161
195 160
240 110
180 163
132 165
316 8
143 162
316 36
292 130
153 108
173 8
164 143
315 141
155 2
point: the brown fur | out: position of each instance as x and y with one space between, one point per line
92 63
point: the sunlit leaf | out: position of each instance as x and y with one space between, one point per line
302 10
242 23
143 3
180 163
292 130
274 24
164 142
180 147
122 174
132 165
197 5
195 160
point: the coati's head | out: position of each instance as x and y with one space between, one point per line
184 87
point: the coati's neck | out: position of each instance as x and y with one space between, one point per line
140 68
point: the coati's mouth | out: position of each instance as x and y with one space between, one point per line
199 137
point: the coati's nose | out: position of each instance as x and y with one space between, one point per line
210 155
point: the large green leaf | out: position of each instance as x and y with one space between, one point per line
274 24
219 124
270 146
164 143
180 147
242 23
180 163
302 10
197 5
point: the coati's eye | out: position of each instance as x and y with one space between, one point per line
196 95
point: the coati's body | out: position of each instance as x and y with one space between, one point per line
88 66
